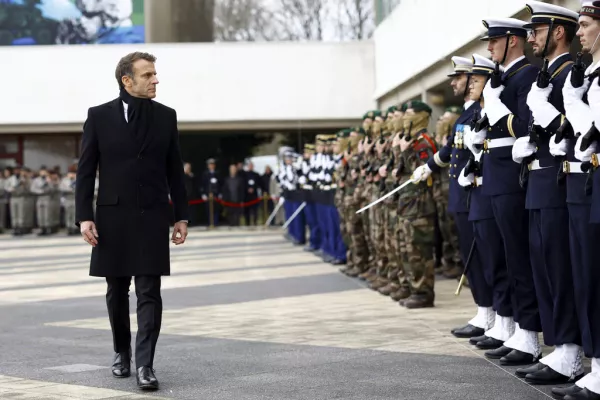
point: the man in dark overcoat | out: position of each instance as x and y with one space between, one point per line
134 143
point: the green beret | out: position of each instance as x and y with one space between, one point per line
391 110
359 130
418 106
454 109
372 114
403 107
344 133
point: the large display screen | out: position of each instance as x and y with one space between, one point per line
53 22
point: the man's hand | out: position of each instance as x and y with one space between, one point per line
89 232
405 144
181 229
383 171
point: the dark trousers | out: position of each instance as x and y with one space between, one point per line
312 219
480 289
553 276
149 316
491 253
215 214
233 216
513 222
586 275
251 214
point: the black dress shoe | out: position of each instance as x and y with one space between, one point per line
517 357
457 328
561 392
522 372
468 331
547 376
489 344
146 379
584 394
477 339
498 353
121 367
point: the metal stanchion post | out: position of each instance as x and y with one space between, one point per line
211 210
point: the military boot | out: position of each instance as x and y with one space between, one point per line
379 282
419 301
389 288
452 272
368 273
354 272
401 294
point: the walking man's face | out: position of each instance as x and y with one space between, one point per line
144 80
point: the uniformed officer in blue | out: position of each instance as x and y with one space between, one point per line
488 239
584 236
552 29
454 156
508 115
310 210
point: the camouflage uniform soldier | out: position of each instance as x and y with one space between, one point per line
355 222
416 208
18 187
341 150
450 260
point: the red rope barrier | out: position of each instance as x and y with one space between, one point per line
227 204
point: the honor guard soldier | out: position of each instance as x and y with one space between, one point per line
313 213
336 247
506 119
310 211
67 189
454 156
18 187
552 29
580 147
211 186
488 244
40 187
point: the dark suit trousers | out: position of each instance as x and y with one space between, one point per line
149 316
513 223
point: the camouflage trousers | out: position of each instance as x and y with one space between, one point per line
450 256
358 250
377 234
393 233
417 237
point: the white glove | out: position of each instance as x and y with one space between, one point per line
543 111
302 180
584 155
559 149
490 93
472 138
571 94
522 149
594 101
421 173
465 181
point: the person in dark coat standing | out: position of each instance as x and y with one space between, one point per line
253 184
233 192
135 144
211 185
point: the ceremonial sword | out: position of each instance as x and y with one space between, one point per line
294 215
464 274
279 204
379 200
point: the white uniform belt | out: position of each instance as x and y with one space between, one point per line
502 142
479 181
307 187
535 165
570 167
334 186
326 187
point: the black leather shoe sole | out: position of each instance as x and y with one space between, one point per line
498 353
517 357
477 339
489 344
122 374
148 386
468 332
522 372
560 393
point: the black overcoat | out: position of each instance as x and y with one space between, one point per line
135 179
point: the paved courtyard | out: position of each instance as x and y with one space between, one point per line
246 316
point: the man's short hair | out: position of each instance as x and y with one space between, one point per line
125 65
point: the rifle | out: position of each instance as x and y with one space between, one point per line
543 81
566 129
